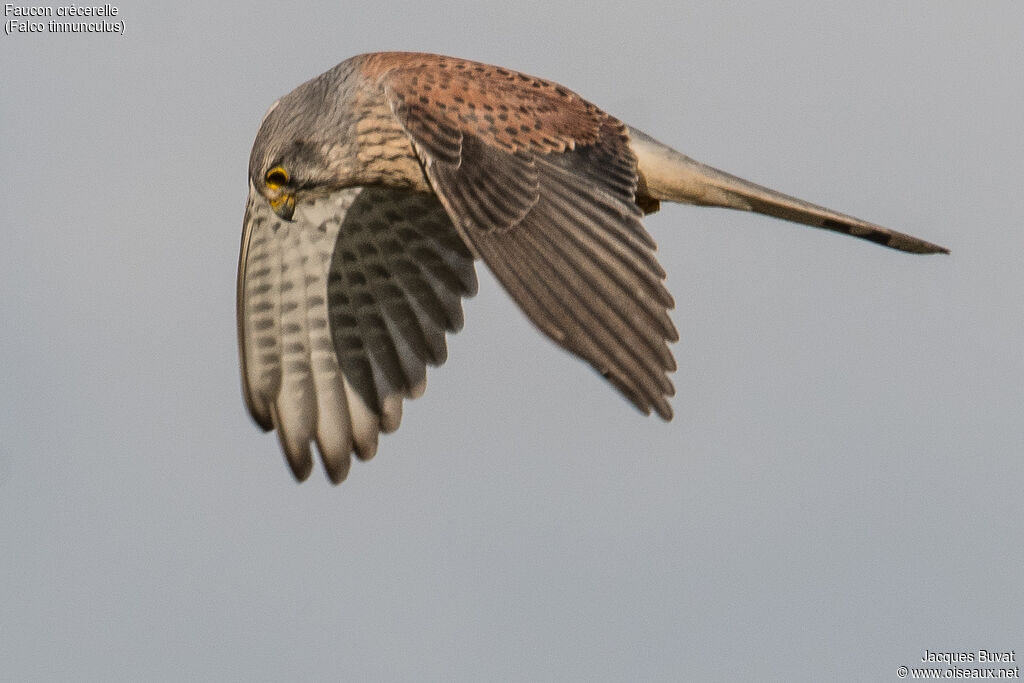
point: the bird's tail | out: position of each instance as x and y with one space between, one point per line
667 175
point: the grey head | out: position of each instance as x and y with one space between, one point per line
301 140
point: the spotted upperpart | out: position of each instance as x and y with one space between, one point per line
499 106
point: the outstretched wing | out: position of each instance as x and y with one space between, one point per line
340 311
541 184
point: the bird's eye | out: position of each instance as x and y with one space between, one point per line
276 177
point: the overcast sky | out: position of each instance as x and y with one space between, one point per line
840 489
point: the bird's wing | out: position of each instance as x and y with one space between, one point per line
541 184
340 311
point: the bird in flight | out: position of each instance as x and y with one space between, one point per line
373 189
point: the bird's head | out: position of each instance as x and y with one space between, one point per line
287 164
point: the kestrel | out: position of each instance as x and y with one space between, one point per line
375 186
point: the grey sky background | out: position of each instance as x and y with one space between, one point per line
839 491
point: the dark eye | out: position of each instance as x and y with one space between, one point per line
276 177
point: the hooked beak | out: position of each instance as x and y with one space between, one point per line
283 205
